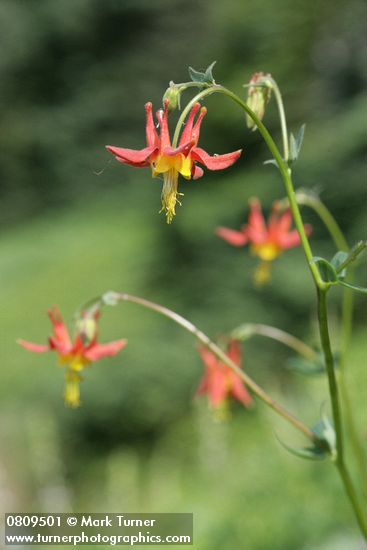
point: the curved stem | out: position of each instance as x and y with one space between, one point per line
313 201
250 329
187 109
204 339
321 287
283 120
283 168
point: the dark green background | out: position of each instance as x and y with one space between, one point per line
74 76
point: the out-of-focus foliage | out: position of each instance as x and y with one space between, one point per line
75 76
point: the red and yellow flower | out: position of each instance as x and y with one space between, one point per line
172 161
76 354
220 381
266 240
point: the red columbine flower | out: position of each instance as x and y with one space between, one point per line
220 381
169 161
77 354
267 241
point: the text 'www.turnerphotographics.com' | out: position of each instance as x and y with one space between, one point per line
110 529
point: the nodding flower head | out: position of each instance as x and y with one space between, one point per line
219 381
171 161
75 354
267 240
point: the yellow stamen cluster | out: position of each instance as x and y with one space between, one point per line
72 388
171 167
76 363
169 193
262 274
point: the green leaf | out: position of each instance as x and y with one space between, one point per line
196 76
293 151
209 74
299 138
316 453
337 261
295 143
310 367
348 258
203 77
329 271
271 161
325 432
326 269
307 366
324 447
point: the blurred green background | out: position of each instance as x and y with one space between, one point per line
74 76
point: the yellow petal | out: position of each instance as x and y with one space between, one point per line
163 164
185 168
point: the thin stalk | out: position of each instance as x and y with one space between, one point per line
283 168
330 368
251 329
282 117
183 85
204 339
336 408
349 488
353 255
321 286
313 201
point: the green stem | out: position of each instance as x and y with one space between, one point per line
187 109
353 255
250 329
321 286
336 408
329 361
312 201
183 85
113 297
283 168
359 450
282 117
353 497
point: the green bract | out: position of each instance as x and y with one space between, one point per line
203 77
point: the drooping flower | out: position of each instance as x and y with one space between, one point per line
266 240
77 354
172 161
220 381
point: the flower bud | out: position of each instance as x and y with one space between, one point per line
173 95
87 329
258 96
